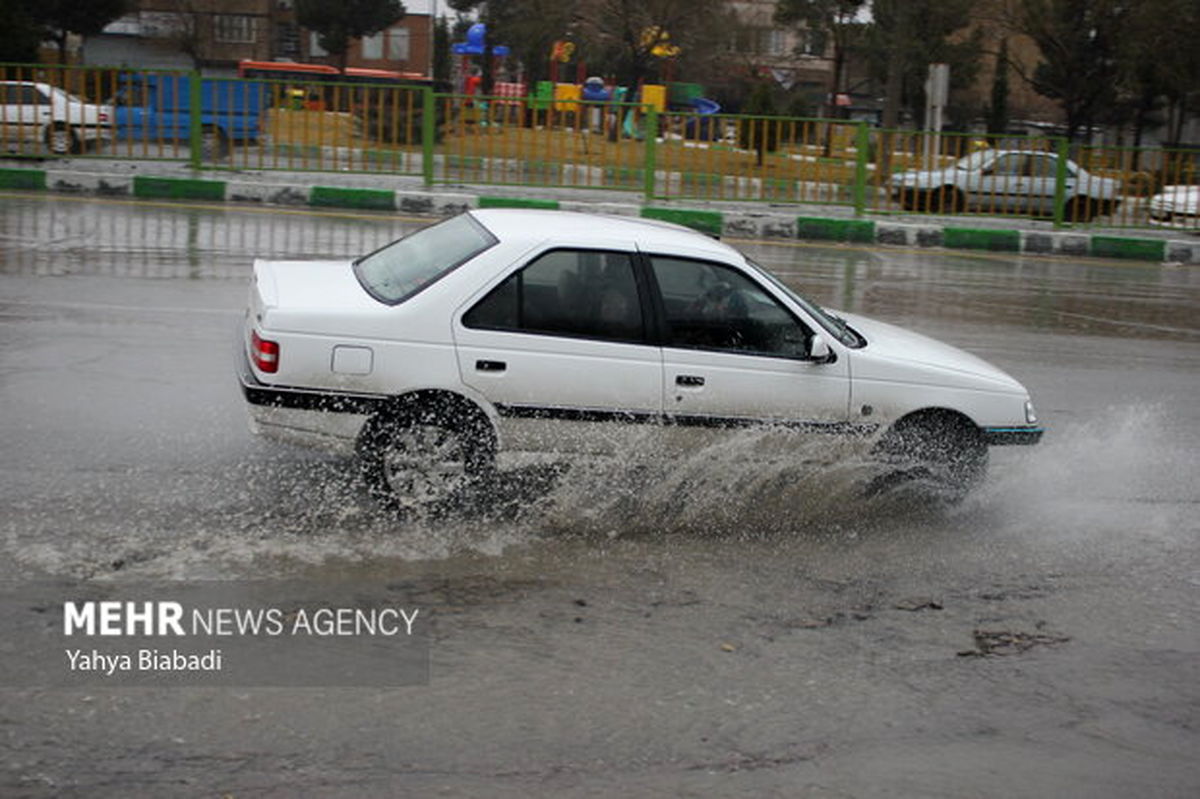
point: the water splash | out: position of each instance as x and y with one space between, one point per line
283 510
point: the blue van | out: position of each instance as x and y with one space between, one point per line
157 109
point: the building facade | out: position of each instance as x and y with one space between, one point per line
214 35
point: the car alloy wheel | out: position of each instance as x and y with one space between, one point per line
61 140
425 465
422 462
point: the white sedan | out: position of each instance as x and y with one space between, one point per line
510 331
40 113
1176 207
1007 182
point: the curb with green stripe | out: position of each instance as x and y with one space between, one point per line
710 222
713 223
178 188
517 202
961 238
365 199
860 231
23 179
1137 249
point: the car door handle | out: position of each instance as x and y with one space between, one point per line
490 366
689 380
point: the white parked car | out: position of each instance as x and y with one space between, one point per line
510 331
1006 182
1176 207
41 113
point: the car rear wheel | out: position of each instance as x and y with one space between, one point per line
941 454
947 200
63 140
214 145
425 461
1081 209
942 200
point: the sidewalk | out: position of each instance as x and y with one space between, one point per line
408 195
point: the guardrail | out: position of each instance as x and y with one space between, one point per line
216 123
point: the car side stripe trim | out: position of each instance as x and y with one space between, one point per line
682 420
1001 436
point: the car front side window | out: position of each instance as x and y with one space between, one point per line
713 307
1041 166
1009 165
576 293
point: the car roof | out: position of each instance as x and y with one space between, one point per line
572 227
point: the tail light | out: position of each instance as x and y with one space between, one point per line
265 354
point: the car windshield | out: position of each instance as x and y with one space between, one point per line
833 324
975 160
405 267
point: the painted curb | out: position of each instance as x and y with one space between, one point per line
859 231
518 202
363 199
150 188
710 222
32 179
732 223
960 238
89 183
1136 249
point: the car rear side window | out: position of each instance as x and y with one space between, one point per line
403 268
580 293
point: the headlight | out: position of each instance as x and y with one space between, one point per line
1030 416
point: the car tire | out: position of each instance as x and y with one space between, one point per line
1081 209
426 460
942 454
62 139
214 144
946 200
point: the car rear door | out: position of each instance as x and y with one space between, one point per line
561 347
735 355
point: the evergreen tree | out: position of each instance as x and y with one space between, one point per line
60 18
338 22
997 111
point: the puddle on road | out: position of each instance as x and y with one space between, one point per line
283 511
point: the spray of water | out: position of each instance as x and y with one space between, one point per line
283 511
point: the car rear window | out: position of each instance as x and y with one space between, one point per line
403 268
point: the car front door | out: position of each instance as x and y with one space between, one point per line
999 187
734 355
1040 175
561 348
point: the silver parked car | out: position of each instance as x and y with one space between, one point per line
1008 182
1176 207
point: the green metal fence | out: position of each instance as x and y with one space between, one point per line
541 141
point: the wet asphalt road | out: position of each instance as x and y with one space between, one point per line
716 629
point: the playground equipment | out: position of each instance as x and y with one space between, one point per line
476 45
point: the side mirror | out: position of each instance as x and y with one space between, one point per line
819 351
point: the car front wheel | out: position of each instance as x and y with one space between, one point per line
424 462
940 454
63 140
